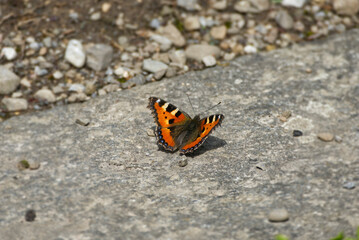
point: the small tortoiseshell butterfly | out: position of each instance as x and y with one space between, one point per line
177 130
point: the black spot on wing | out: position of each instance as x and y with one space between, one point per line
171 121
161 103
178 113
170 108
210 119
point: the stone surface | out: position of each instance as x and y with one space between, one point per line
346 7
8 80
199 51
109 180
15 104
99 56
75 53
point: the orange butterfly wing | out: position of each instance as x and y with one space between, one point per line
166 115
207 125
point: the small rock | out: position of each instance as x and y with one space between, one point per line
155 23
338 139
9 53
165 42
74 16
123 72
15 104
102 92
171 72
75 53
30 215
250 49
173 34
299 26
346 7
90 87
47 42
209 61
284 20
190 5
119 20
159 75
57 74
25 82
153 66
272 35
229 56
111 87
150 132
45 95
325 136
83 122
77 87
183 162
58 89
123 41
16 94
191 23
43 51
95 16
35 46
99 56
77 97
219 4
8 81
297 133
219 32
349 185
178 58
106 7
252 6
33 165
293 3
40 71
278 215
137 80
199 51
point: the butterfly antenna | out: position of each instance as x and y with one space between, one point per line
211 108
190 103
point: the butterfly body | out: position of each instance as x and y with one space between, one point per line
177 130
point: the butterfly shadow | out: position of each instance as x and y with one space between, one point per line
210 144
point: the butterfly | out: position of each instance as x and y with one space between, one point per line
177 130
